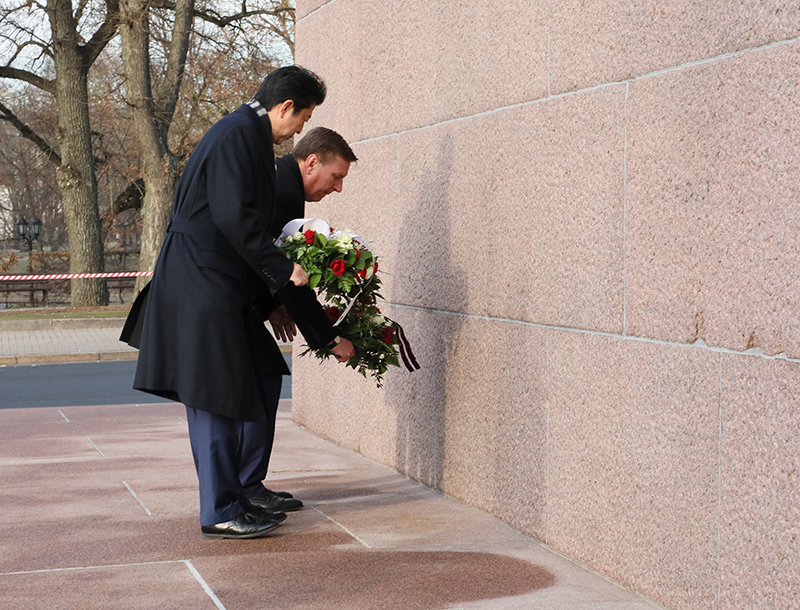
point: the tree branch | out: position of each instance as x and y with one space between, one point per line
43 50
224 20
103 35
7 115
176 65
28 77
130 198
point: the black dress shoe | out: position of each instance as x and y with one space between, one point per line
268 514
269 501
281 494
246 525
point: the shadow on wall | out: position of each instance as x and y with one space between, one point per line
423 259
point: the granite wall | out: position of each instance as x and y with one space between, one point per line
588 217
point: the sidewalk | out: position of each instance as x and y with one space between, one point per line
67 340
70 340
102 507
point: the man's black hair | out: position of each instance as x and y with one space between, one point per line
294 83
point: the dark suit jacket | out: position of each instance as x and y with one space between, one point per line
203 341
290 196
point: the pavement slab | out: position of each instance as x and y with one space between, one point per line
103 500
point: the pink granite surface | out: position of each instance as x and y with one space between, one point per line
440 220
316 38
555 204
325 400
659 202
401 61
477 433
760 495
713 214
401 425
108 587
304 7
633 463
399 579
595 43
492 55
398 66
495 450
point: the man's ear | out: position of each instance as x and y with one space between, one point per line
312 162
286 107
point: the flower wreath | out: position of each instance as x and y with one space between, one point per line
344 271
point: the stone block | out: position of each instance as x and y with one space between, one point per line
555 211
441 218
495 421
760 492
329 42
596 43
633 468
713 203
489 56
398 66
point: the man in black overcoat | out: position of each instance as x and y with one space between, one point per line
200 327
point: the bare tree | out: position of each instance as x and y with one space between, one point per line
228 55
153 113
54 52
27 174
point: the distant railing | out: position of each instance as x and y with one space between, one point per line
32 284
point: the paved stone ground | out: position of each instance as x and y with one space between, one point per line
69 340
63 345
100 506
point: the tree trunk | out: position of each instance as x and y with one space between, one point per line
76 174
152 122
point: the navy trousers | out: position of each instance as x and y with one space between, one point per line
231 458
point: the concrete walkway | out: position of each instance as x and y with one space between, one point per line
101 505
48 341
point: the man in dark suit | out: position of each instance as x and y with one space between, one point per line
316 167
200 326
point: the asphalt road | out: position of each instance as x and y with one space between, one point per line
79 384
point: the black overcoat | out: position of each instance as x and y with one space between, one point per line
203 341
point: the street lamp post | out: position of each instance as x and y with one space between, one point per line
29 232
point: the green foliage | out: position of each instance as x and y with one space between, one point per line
344 273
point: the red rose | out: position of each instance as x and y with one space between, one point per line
309 235
333 313
375 268
387 335
338 267
358 254
362 273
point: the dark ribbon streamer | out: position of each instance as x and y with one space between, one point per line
405 349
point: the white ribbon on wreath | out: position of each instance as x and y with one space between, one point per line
320 226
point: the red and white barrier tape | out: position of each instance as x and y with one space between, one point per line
74 276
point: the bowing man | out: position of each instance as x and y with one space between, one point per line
199 324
